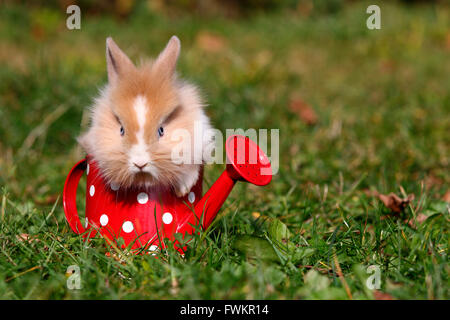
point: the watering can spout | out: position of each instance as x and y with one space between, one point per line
245 162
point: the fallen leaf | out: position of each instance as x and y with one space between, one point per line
446 196
447 41
124 7
174 289
420 218
394 202
371 193
305 8
26 237
50 199
294 149
269 288
38 32
256 215
378 295
387 66
432 181
210 42
304 111
118 258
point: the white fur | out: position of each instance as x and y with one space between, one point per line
139 152
117 159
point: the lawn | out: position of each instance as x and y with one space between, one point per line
377 120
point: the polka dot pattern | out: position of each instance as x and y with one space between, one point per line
142 198
104 220
167 218
114 186
153 249
191 197
127 226
113 210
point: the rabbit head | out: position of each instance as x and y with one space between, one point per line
134 119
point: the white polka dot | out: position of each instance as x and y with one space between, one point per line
127 226
153 248
167 218
114 186
86 222
191 197
92 191
87 169
142 198
104 220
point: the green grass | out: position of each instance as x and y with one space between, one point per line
383 103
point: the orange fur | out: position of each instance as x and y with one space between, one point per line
169 102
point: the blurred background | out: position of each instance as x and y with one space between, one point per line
358 109
346 99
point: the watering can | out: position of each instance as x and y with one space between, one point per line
143 218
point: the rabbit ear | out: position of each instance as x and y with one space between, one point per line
167 59
117 62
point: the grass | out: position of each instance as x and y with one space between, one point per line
383 103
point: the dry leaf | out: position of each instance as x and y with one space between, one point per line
174 289
294 149
210 42
394 202
50 199
446 196
38 32
124 7
26 237
305 8
304 111
432 181
256 215
447 41
371 193
378 295
117 257
420 218
387 66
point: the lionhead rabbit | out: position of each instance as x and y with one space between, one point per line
134 118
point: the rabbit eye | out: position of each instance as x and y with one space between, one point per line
122 131
160 131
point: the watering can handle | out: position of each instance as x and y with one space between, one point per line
70 196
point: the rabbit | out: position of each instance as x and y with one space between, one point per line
134 116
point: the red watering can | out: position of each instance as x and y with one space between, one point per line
145 217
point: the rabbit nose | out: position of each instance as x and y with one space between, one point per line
140 165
